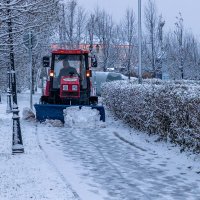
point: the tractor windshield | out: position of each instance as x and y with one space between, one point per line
66 65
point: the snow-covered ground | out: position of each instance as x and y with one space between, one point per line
29 175
91 160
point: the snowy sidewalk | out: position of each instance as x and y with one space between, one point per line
29 175
95 161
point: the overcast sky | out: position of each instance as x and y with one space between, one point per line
190 10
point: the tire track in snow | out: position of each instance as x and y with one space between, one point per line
110 163
77 197
128 142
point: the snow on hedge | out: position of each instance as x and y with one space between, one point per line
168 108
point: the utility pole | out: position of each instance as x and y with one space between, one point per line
140 43
17 144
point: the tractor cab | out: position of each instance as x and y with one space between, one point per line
72 66
69 78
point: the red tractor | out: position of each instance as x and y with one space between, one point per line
68 84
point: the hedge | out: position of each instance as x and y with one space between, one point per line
170 109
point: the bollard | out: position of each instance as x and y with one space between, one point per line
17 144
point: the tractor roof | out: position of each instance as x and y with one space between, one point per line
70 51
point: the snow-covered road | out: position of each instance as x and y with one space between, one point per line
96 161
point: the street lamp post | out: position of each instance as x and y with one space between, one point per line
140 43
17 144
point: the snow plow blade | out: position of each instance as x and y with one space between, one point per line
51 111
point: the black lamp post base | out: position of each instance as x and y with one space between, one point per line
17 144
17 149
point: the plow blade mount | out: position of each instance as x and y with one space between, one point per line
51 111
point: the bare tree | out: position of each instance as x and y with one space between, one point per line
151 21
62 24
80 25
161 51
129 37
179 34
24 16
191 57
70 20
103 31
189 54
91 28
72 23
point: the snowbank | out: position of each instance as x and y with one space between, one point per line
84 117
28 114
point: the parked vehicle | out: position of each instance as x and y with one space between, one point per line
101 77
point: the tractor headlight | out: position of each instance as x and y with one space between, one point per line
65 87
51 74
74 87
